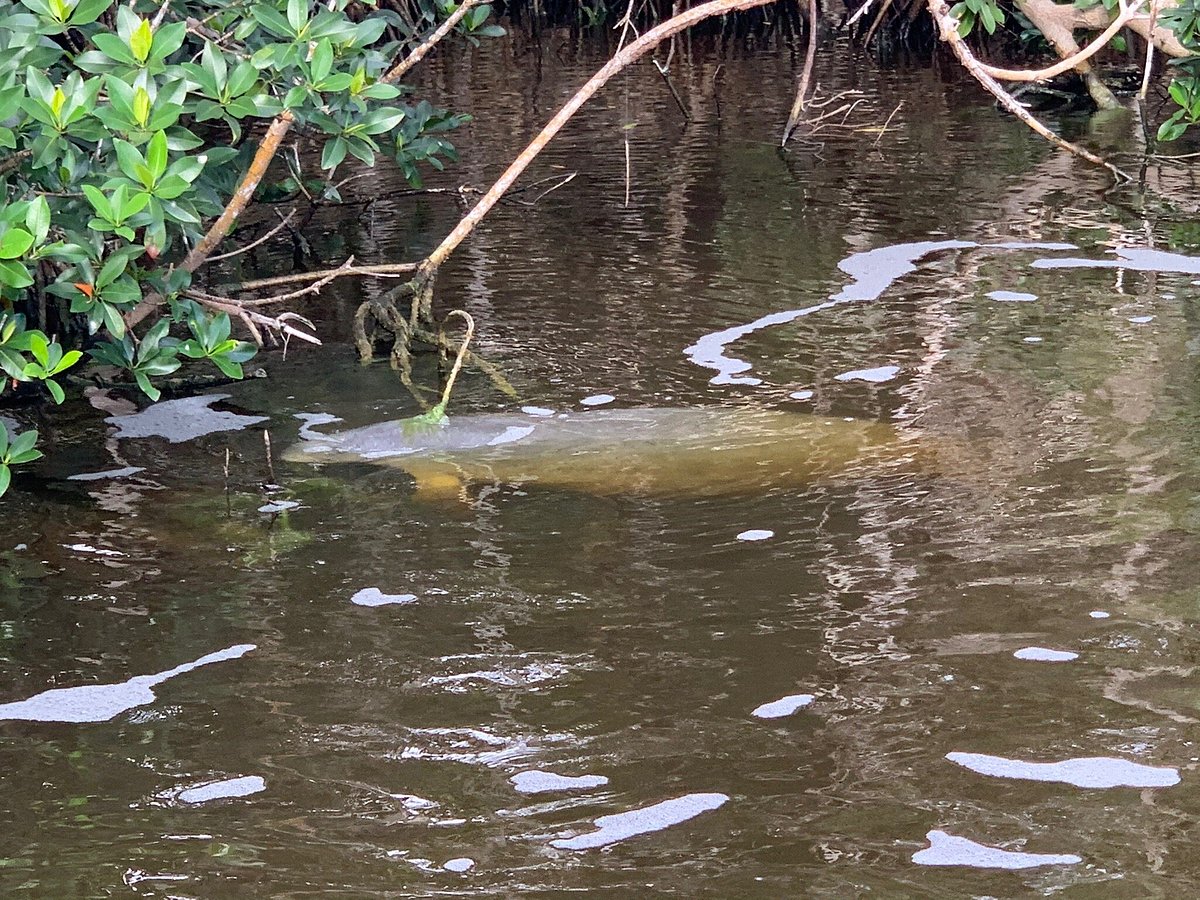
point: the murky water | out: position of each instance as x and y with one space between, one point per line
971 681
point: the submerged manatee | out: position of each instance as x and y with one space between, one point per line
713 450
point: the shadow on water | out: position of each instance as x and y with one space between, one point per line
898 682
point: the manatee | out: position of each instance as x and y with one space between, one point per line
611 452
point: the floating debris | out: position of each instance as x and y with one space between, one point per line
459 864
373 596
101 702
597 400
1083 771
622 826
756 534
784 706
538 782
1011 297
225 789
949 850
181 420
1045 654
877 375
109 473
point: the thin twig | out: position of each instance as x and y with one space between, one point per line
418 53
810 56
380 271
262 240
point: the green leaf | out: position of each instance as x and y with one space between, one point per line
37 219
156 155
14 243
55 390
14 275
5 478
141 41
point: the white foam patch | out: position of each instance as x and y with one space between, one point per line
784 706
108 473
540 411
512 433
181 420
373 596
459 864
311 419
756 534
878 375
801 395
1083 771
949 850
1045 654
1141 320
538 782
1099 614
872 272
597 400
101 702
622 826
1032 340
225 789
88 548
1140 259
1011 296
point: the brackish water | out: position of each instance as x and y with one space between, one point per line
895 683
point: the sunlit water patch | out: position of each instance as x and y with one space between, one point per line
950 850
1084 772
1011 296
123 472
101 702
623 826
597 400
1140 259
877 375
756 534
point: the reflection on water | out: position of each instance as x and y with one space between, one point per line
579 664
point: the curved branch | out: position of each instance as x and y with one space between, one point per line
397 72
948 27
1071 62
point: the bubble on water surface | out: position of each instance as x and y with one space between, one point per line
459 864
1099 614
101 702
181 420
539 782
1011 296
597 400
756 534
784 706
877 375
373 596
539 411
108 473
950 850
1045 654
622 826
1084 771
225 789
